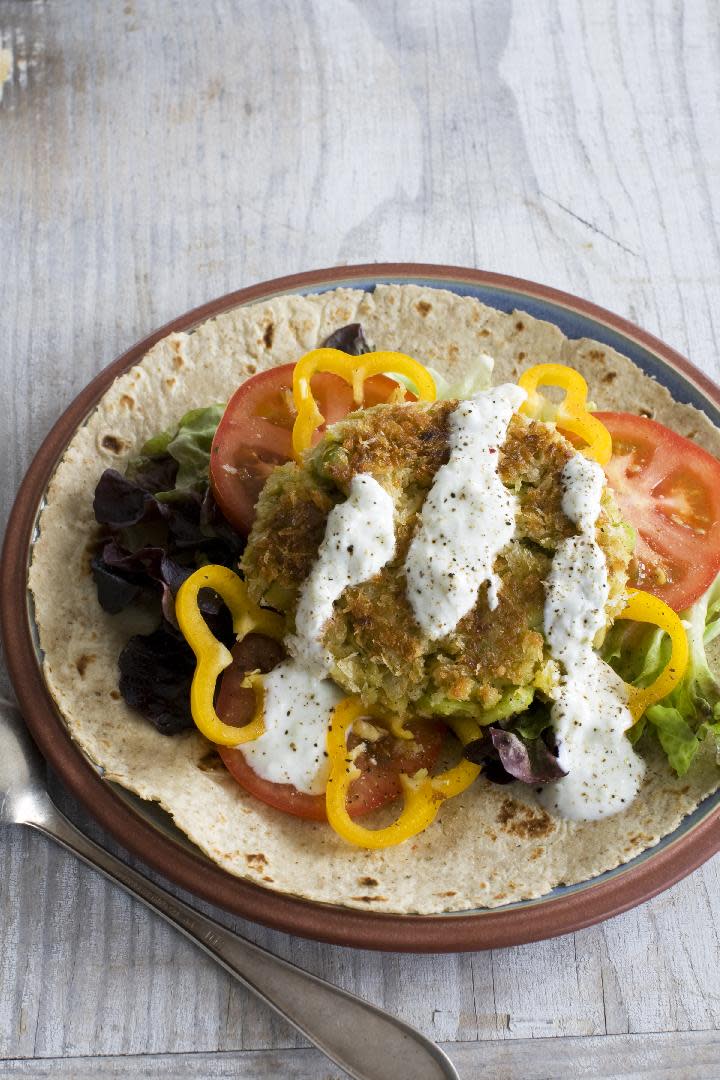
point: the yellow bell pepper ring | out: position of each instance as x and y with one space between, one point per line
212 656
644 607
423 794
354 370
572 412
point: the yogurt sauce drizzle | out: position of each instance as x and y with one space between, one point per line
467 518
291 750
590 713
359 539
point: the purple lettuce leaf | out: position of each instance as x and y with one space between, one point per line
507 756
120 503
348 339
156 671
529 760
114 589
181 514
154 474
120 575
213 520
178 521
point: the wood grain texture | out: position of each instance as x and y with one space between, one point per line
157 153
692 1055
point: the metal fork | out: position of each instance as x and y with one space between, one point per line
366 1042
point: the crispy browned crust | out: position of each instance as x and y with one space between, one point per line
288 530
378 648
406 444
532 459
496 650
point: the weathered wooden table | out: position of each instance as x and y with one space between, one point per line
157 153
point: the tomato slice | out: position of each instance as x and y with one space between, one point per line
380 765
668 488
255 433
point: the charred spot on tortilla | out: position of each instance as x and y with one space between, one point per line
114 444
82 663
524 821
211 762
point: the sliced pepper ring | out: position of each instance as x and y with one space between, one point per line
212 656
354 370
644 607
423 794
572 412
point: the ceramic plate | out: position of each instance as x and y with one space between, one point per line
149 833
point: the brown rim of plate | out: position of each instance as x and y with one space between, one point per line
537 920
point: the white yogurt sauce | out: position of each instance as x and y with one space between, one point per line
467 518
590 713
297 707
359 539
582 481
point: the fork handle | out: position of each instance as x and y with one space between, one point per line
366 1042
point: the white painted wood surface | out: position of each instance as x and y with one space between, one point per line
695 1055
157 153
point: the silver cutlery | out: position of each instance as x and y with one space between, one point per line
366 1042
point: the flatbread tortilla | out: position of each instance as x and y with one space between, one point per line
490 846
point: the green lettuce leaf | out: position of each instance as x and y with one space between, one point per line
531 724
677 738
473 383
691 713
189 445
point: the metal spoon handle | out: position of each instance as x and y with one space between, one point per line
362 1039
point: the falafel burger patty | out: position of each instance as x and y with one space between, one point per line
494 658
